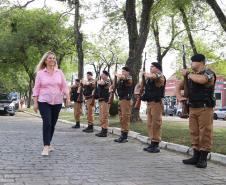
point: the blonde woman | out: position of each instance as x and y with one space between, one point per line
50 87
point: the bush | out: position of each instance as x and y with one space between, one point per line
113 111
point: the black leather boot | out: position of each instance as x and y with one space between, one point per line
154 147
148 147
77 125
202 162
88 129
194 159
122 138
103 133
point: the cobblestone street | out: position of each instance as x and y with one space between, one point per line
81 158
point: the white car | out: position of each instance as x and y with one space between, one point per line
220 113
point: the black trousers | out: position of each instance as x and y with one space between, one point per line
49 115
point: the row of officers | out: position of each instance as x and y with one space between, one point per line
201 82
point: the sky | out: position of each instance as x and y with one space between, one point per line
94 26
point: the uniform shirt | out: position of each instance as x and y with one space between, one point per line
103 90
74 93
160 80
107 84
210 75
200 94
88 89
124 88
154 88
50 88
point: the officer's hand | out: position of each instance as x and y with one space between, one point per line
111 89
84 82
35 107
117 75
181 98
68 102
141 72
137 96
184 72
149 75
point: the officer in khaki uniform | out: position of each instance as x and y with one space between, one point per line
153 94
77 103
201 82
102 95
124 90
88 88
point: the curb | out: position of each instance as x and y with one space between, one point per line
215 157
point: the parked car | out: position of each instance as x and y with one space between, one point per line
16 98
169 110
179 112
7 104
219 113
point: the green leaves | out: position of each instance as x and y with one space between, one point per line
25 37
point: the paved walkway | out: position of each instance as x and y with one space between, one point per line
82 158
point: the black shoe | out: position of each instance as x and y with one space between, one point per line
146 148
103 133
122 138
88 129
154 148
77 125
194 159
202 162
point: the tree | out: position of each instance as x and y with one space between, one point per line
160 50
27 34
218 12
137 40
77 35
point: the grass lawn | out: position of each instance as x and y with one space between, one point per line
174 132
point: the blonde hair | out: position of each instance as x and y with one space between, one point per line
41 65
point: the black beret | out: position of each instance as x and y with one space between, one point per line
106 73
126 68
198 58
77 80
157 65
89 73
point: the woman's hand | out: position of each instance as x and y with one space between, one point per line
35 107
181 98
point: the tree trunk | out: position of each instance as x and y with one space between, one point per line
79 40
154 26
218 12
30 92
137 41
186 24
59 61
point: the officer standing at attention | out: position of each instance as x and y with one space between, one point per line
124 90
201 82
153 94
89 86
77 102
103 96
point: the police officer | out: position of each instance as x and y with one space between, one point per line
103 96
75 97
124 90
153 94
88 87
201 82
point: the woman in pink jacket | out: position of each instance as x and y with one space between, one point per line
49 90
